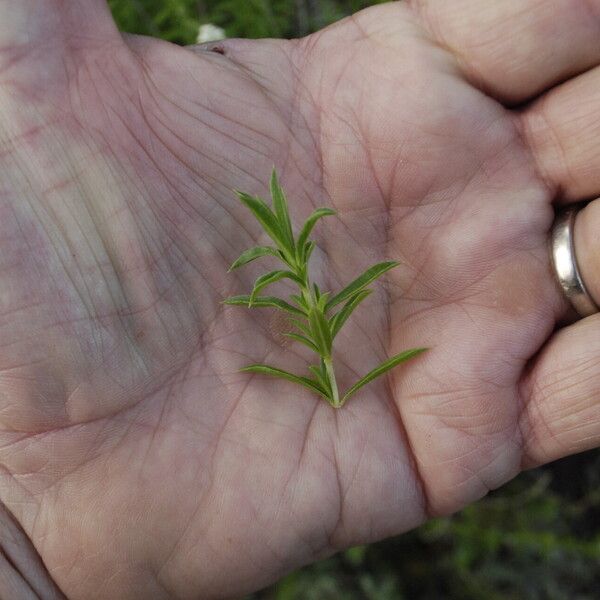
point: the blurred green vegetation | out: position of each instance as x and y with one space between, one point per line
537 538
178 20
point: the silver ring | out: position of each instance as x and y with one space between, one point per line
565 263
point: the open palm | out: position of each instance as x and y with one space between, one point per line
135 456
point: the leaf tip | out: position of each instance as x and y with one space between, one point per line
417 351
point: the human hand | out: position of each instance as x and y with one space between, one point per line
135 457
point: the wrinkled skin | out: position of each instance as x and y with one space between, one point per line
136 458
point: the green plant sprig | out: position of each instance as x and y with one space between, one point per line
311 311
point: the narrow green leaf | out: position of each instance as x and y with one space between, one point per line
322 302
267 219
285 257
303 340
323 368
321 334
311 384
337 321
311 222
302 327
325 374
383 368
361 282
299 300
281 209
320 378
317 291
253 254
264 302
268 278
307 252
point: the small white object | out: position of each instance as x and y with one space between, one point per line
210 33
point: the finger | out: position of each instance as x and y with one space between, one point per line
561 395
587 248
515 49
562 129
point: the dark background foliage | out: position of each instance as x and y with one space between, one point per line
538 538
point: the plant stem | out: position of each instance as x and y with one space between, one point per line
309 295
335 394
315 329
